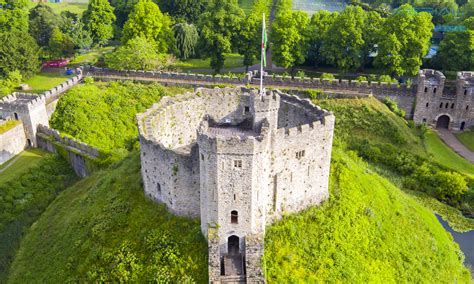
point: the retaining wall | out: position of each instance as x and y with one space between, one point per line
12 142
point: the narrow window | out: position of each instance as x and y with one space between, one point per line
234 197
202 157
452 105
427 104
16 115
234 217
300 154
424 120
440 105
467 107
158 187
446 106
246 109
308 170
465 92
426 89
434 91
237 163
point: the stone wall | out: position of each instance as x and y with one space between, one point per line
12 142
82 157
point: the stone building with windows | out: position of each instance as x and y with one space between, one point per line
445 106
238 160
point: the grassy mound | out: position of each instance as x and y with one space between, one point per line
103 229
25 192
103 114
369 231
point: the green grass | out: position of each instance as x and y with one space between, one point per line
442 154
104 229
90 57
8 125
44 81
24 197
466 138
368 232
231 61
77 8
23 161
246 5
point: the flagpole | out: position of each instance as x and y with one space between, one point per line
262 55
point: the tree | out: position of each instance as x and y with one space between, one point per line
317 32
289 38
12 80
456 50
147 21
345 40
467 10
98 19
13 17
371 35
122 9
60 45
405 39
72 26
42 21
186 38
185 10
220 26
450 185
18 51
137 54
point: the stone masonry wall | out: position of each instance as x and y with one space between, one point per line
12 142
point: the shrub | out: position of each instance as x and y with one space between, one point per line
392 105
327 76
361 78
450 186
300 74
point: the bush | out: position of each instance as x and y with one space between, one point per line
300 74
327 76
361 78
392 105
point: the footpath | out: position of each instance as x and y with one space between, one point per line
454 143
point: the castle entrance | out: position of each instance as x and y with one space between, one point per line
463 124
443 122
233 245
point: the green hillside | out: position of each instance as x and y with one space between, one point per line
104 229
369 231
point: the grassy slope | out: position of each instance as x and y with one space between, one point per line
98 229
369 231
467 138
77 8
19 163
24 194
446 156
44 81
231 61
91 56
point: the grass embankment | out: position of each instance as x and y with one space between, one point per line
231 61
368 231
103 114
467 138
77 8
44 81
91 57
26 189
8 125
444 155
21 162
104 229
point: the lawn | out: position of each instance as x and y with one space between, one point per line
8 125
232 60
246 5
444 155
20 163
44 81
77 8
91 56
466 138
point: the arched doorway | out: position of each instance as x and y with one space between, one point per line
29 142
233 244
463 124
443 122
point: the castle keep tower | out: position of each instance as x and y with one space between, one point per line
441 106
238 160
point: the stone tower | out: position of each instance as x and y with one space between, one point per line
239 160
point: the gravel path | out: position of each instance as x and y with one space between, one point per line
454 143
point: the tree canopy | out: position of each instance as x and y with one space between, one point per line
186 38
18 51
98 19
42 21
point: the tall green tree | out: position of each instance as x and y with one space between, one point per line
318 33
456 50
122 9
371 34
185 10
467 10
147 21
186 38
8 85
60 45
220 27
18 51
13 16
137 54
405 39
71 25
289 37
345 39
99 18
42 21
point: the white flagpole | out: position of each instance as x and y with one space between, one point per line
262 55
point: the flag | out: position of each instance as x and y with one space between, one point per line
264 43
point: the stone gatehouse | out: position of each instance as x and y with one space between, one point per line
238 160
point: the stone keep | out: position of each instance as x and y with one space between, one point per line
238 160
445 106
